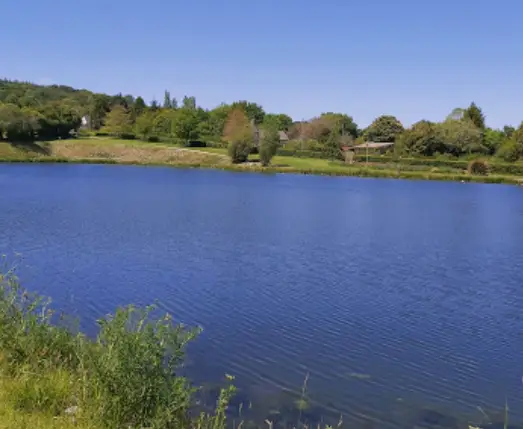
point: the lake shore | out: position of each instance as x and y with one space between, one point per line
113 151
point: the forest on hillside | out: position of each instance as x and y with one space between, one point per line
30 112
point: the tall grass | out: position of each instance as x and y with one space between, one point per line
127 376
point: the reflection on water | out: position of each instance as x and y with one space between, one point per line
402 300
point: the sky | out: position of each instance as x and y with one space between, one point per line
415 59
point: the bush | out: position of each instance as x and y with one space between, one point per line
153 139
196 143
478 167
509 151
127 136
239 150
82 132
268 146
101 134
126 377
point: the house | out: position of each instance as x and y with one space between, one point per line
374 146
284 138
86 122
258 135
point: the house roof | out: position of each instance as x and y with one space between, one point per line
372 145
283 135
260 132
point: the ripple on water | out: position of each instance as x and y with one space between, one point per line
394 296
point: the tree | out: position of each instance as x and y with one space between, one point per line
154 105
269 144
162 123
333 143
167 103
423 138
139 106
508 130
238 133
461 137
144 126
253 111
58 120
474 114
99 105
185 124
342 122
19 125
118 121
385 128
493 139
217 119
509 151
280 121
518 135
189 102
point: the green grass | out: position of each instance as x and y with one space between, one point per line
409 169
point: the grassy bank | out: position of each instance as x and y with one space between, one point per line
127 377
114 151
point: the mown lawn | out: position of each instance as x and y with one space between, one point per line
118 151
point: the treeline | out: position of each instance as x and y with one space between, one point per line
33 112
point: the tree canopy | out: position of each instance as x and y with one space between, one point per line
35 112
385 129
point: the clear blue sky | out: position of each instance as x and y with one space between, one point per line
411 58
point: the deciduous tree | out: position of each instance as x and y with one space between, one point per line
385 128
239 134
185 124
189 102
269 144
423 138
461 137
253 111
279 121
144 126
118 121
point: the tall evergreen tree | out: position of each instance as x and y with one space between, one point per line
167 102
474 114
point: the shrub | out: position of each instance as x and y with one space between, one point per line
239 150
509 151
153 139
196 143
133 370
478 167
127 136
82 132
268 146
126 377
101 134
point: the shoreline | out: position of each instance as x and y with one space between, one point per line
363 172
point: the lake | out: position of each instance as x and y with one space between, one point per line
401 300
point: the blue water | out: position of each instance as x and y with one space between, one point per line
395 296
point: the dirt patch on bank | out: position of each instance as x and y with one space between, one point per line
136 154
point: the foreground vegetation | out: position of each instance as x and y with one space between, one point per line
126 377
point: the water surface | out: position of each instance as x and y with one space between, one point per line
394 295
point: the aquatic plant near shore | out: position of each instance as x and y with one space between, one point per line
126 377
